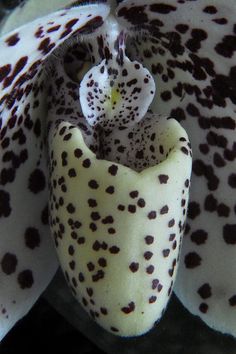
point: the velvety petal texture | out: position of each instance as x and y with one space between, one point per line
190 49
27 258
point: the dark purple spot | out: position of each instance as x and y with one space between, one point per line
9 263
5 208
25 279
203 307
32 237
232 300
134 267
205 291
162 8
12 40
229 234
199 237
149 239
192 260
163 179
37 181
113 170
129 308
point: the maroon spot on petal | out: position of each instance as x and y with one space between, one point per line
45 216
223 210
172 237
72 173
92 203
89 292
211 10
71 250
103 310
152 215
171 223
25 279
184 150
81 277
102 262
134 194
4 71
205 291
70 208
148 255
93 226
164 210
150 269
149 239
134 267
37 181
12 40
81 240
192 260
162 8
46 46
129 308
17 69
166 252
141 203
193 210
131 208
210 203
90 266
5 207
114 249
232 180
163 179
110 189
152 299
203 307
9 263
67 137
78 153
229 234
199 237
232 300
93 184
113 170
95 216
155 283
99 275
108 220
114 329
32 237
86 163
53 29
72 265
111 231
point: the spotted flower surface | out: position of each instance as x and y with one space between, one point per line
93 161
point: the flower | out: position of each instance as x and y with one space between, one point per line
117 169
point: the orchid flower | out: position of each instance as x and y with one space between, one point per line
95 166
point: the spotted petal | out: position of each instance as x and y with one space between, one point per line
190 48
26 252
117 231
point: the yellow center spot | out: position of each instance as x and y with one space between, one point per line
113 97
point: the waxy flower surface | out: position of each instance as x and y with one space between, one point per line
94 159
